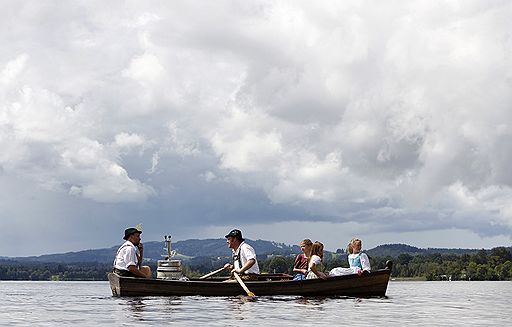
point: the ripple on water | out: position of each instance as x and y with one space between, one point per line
407 303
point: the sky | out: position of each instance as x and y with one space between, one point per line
390 121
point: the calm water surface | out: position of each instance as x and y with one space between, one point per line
407 303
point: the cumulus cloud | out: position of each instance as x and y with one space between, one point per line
129 141
393 115
57 145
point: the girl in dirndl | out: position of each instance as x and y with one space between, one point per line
315 265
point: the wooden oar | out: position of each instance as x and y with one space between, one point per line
241 282
212 273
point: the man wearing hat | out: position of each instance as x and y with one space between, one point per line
244 256
128 261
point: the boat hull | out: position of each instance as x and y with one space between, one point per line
368 285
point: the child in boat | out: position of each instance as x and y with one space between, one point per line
357 260
315 266
300 267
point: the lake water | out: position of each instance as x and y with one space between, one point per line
407 303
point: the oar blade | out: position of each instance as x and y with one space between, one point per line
241 282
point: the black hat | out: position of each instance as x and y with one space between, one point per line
130 231
236 233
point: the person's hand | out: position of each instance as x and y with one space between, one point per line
228 266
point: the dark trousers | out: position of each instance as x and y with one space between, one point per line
123 273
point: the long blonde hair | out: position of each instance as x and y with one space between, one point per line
317 249
350 250
354 241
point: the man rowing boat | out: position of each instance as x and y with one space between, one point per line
244 256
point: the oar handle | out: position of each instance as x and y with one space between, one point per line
212 273
241 282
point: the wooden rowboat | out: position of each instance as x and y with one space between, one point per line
366 285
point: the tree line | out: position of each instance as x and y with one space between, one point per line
494 264
12 270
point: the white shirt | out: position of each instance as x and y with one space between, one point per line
365 261
126 256
246 253
314 261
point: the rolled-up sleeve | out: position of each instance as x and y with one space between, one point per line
248 252
129 256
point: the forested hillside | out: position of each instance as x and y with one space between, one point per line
153 251
202 256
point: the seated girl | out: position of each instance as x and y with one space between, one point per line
315 266
357 260
300 267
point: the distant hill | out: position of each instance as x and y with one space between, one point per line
153 250
195 250
93 255
394 250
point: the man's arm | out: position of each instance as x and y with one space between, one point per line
140 256
136 271
247 266
134 261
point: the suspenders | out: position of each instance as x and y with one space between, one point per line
119 250
238 257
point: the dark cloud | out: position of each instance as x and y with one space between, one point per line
197 117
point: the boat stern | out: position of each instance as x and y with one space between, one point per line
114 284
